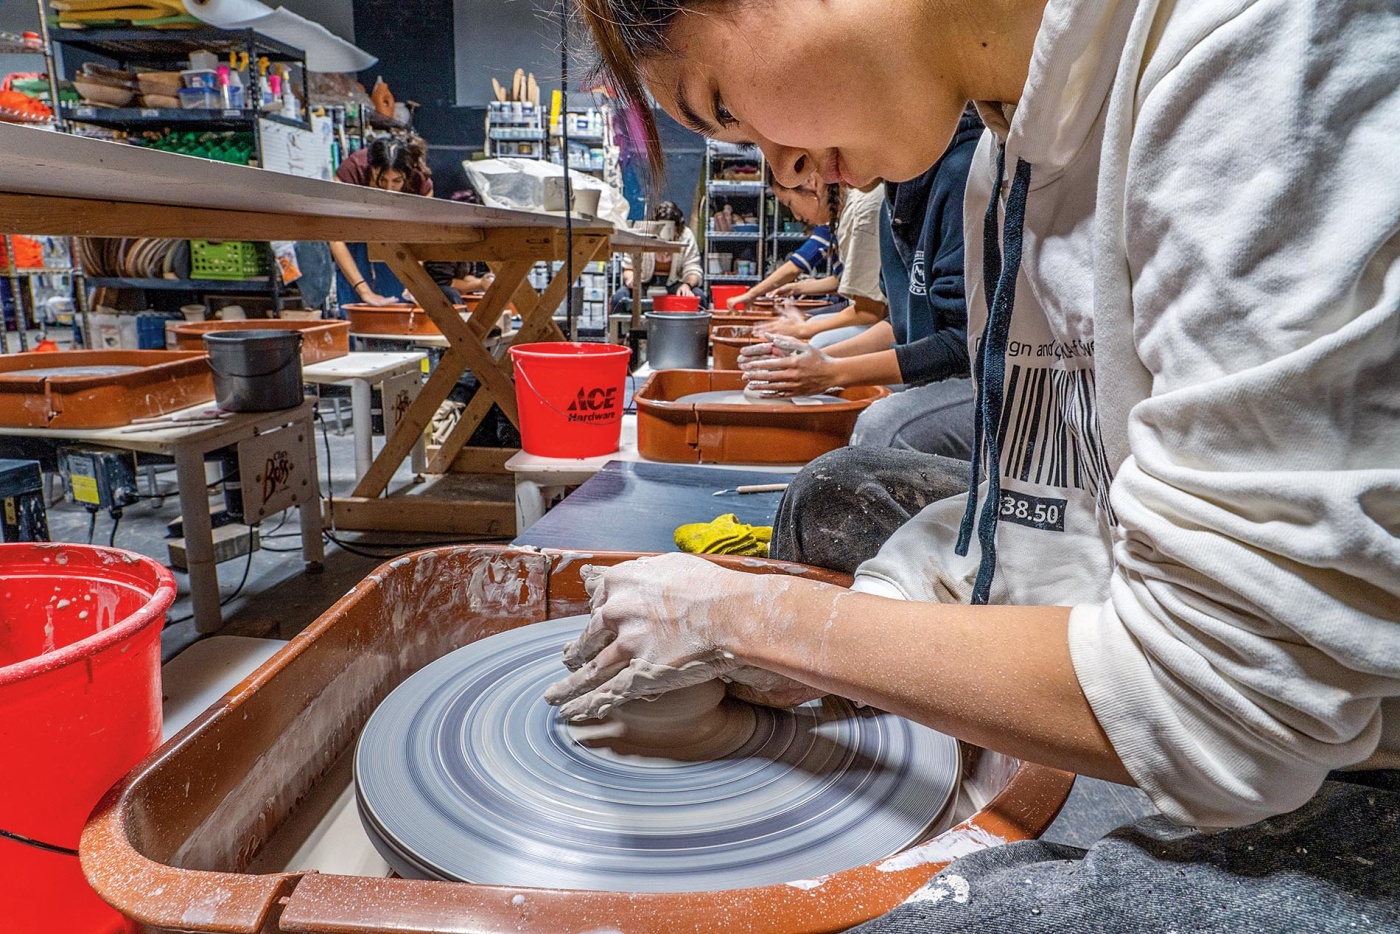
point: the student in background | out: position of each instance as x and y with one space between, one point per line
389 164
679 273
858 246
815 259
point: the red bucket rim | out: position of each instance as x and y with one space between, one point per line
96 556
556 349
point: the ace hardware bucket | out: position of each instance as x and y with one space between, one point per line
79 707
570 397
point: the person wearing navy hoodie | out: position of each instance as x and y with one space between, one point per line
911 448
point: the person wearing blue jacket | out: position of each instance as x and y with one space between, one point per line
912 447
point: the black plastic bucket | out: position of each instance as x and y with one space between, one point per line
255 371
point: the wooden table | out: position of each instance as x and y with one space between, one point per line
277 455
52 183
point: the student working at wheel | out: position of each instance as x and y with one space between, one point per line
812 204
1179 565
921 345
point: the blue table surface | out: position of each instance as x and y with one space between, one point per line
637 506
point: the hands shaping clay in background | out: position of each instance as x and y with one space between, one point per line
664 623
785 366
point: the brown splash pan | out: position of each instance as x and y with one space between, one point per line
727 341
684 433
401 320
171 843
320 340
720 319
806 304
166 381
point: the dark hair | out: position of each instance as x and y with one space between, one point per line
625 32
668 211
406 156
835 196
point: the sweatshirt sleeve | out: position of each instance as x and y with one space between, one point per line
1251 641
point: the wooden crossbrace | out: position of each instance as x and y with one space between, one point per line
536 323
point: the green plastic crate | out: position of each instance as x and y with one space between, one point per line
227 259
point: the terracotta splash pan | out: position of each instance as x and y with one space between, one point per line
720 319
727 342
806 304
103 388
685 433
320 340
401 320
171 843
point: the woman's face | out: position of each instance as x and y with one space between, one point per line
390 180
840 88
806 203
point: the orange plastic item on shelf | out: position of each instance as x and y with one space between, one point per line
164 381
28 253
686 433
320 340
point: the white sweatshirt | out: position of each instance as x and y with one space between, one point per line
1201 447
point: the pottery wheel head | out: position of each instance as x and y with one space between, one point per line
464 773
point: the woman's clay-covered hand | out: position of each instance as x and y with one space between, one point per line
790 323
668 622
787 367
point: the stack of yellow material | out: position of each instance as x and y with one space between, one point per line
725 535
79 13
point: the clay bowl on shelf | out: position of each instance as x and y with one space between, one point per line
96 92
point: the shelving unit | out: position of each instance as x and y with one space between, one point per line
736 257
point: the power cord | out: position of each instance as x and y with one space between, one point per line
112 537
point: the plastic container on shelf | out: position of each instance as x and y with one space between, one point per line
200 98
226 259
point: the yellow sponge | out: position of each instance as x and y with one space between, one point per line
725 535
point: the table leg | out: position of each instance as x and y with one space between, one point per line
360 421
529 504
199 540
313 546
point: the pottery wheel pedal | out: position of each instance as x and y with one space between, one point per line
465 774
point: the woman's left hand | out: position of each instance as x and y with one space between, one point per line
787 367
684 289
668 622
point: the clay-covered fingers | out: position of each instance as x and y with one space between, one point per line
639 680
768 688
755 352
594 638
592 576
602 667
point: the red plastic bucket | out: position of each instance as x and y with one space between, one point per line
570 397
721 294
676 303
79 707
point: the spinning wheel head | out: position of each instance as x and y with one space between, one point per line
464 773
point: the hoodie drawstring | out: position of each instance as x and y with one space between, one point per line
989 366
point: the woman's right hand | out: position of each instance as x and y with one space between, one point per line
371 297
734 303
